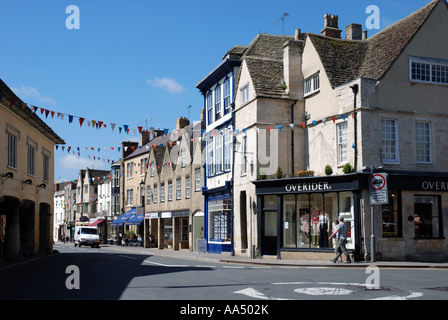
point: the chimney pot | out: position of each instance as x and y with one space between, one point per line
298 34
364 35
331 26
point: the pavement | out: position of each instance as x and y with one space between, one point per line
226 257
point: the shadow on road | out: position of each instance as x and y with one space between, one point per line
102 276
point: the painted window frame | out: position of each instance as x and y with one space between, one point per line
423 143
435 70
311 84
342 142
387 141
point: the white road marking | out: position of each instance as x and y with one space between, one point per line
167 265
324 291
413 295
127 257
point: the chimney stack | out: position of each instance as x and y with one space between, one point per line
331 28
353 31
182 122
144 137
292 62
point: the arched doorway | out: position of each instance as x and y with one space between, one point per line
198 228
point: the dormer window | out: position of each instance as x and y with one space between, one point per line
428 70
312 85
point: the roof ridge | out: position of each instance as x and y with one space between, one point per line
385 46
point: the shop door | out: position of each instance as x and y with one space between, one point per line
269 233
198 228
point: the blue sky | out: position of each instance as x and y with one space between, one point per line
140 59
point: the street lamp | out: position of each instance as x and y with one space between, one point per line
142 194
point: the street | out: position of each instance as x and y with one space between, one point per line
98 274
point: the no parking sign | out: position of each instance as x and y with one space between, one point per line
378 189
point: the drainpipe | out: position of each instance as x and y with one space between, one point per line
355 89
292 139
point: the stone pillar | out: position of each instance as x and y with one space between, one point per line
161 234
176 233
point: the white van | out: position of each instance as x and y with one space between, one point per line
87 236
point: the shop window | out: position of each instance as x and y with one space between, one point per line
308 220
427 217
329 220
220 220
317 205
391 217
303 211
289 222
346 210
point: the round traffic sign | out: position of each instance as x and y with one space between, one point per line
377 181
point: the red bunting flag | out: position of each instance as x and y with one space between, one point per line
81 120
140 129
334 119
303 124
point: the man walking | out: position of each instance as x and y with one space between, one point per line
341 231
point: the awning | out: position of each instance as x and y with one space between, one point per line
123 218
95 223
135 220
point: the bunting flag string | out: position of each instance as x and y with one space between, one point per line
90 123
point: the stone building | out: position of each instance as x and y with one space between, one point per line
162 184
218 89
26 179
174 207
267 105
370 105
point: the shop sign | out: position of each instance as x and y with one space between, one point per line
201 245
306 187
166 215
435 185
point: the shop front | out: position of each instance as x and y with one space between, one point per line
218 220
296 216
414 223
170 229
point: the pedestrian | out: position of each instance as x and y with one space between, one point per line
124 240
341 231
152 241
139 240
335 240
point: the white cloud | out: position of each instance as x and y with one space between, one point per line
167 84
74 162
25 93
